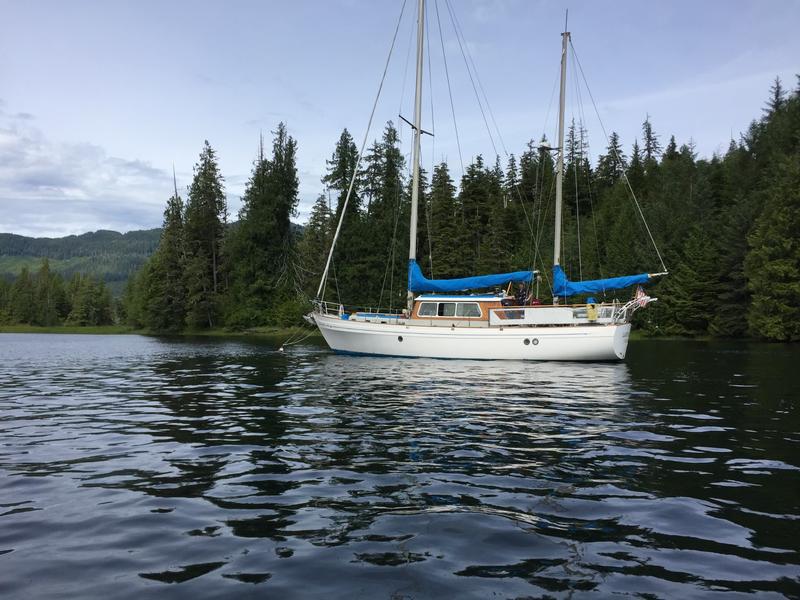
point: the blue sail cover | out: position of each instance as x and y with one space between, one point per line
564 287
417 282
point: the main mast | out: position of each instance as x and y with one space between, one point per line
412 242
560 164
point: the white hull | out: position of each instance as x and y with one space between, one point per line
570 342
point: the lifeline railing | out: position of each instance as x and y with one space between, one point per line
335 308
580 314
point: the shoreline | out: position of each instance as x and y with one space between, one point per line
126 330
268 332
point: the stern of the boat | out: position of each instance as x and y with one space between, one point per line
621 335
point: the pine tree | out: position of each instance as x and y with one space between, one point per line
447 226
772 265
636 170
730 314
166 302
23 298
206 214
5 301
263 276
315 244
381 251
50 298
777 98
652 147
611 165
689 294
349 256
90 301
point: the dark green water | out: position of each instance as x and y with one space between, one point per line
133 467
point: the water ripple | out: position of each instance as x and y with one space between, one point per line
213 468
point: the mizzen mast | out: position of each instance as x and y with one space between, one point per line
560 163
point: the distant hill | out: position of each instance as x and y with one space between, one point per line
111 255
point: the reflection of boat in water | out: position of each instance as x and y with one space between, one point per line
590 387
446 324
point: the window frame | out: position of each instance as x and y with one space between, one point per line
428 303
477 304
455 315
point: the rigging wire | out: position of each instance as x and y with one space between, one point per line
449 88
361 152
469 72
621 164
584 153
468 56
480 85
575 159
433 143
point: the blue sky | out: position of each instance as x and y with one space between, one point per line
99 99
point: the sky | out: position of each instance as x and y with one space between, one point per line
99 100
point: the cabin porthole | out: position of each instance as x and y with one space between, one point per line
535 341
399 338
527 341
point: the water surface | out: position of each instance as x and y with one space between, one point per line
210 468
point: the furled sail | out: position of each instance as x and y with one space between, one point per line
564 287
417 282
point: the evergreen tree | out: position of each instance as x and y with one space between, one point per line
315 244
5 301
349 259
206 214
773 264
777 98
689 293
90 301
166 302
447 226
23 298
652 147
611 165
263 276
50 299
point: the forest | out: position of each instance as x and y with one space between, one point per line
107 255
727 228
43 298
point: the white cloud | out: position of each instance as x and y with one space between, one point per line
50 188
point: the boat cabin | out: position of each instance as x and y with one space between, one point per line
461 308
492 310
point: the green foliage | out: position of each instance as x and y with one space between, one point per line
729 228
164 308
89 301
204 227
260 248
43 300
773 264
108 255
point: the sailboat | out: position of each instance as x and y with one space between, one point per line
445 318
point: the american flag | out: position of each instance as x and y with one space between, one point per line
641 297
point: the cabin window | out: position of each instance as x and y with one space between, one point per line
468 309
447 309
427 309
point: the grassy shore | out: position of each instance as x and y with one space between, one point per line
274 332
94 329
